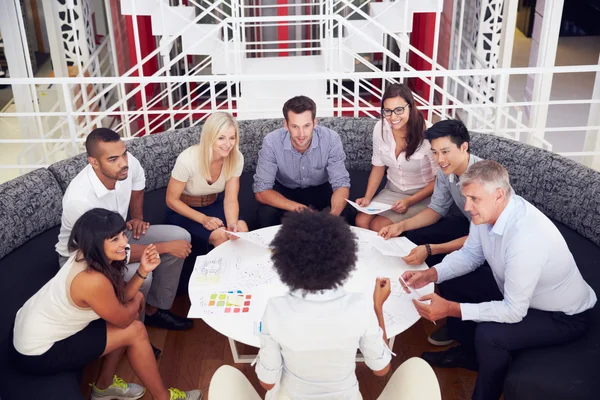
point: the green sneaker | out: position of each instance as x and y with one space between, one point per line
177 394
119 390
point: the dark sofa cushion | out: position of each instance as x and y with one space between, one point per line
31 204
157 153
63 386
22 273
562 189
64 171
567 371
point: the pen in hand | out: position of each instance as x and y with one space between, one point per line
413 290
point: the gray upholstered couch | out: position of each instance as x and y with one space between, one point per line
566 191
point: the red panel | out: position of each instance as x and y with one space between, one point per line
147 45
422 38
283 28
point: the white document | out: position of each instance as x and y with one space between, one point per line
372 209
251 237
208 270
397 247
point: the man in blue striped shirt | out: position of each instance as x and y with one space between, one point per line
538 297
300 166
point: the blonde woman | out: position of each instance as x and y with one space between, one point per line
202 195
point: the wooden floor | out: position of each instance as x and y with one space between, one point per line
190 358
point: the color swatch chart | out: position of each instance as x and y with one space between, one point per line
231 302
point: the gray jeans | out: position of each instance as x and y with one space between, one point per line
160 288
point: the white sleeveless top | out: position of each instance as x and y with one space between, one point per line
50 315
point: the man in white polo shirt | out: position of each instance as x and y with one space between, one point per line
115 180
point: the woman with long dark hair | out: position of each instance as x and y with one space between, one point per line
87 311
399 145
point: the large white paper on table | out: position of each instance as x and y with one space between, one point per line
372 209
399 308
251 237
397 247
229 286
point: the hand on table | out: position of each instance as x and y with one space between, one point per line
417 256
417 279
391 231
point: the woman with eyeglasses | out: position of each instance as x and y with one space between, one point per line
398 145
87 311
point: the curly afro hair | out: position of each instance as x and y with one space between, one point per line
314 251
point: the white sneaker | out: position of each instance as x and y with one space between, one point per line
119 390
177 394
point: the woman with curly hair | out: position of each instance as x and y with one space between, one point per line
400 147
87 311
310 336
202 194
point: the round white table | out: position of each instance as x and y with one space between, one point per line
249 269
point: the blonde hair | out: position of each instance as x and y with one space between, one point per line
214 126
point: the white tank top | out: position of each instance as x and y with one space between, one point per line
50 315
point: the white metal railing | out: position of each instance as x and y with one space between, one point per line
206 92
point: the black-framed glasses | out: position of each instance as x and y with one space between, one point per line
398 110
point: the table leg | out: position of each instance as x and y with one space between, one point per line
237 357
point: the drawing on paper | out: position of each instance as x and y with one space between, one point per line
253 273
209 270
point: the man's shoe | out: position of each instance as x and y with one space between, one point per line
119 390
177 394
167 320
456 357
156 351
440 337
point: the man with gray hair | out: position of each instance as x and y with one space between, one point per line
539 298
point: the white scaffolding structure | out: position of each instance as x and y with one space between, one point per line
210 58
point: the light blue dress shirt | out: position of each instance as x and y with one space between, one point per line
531 263
323 161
